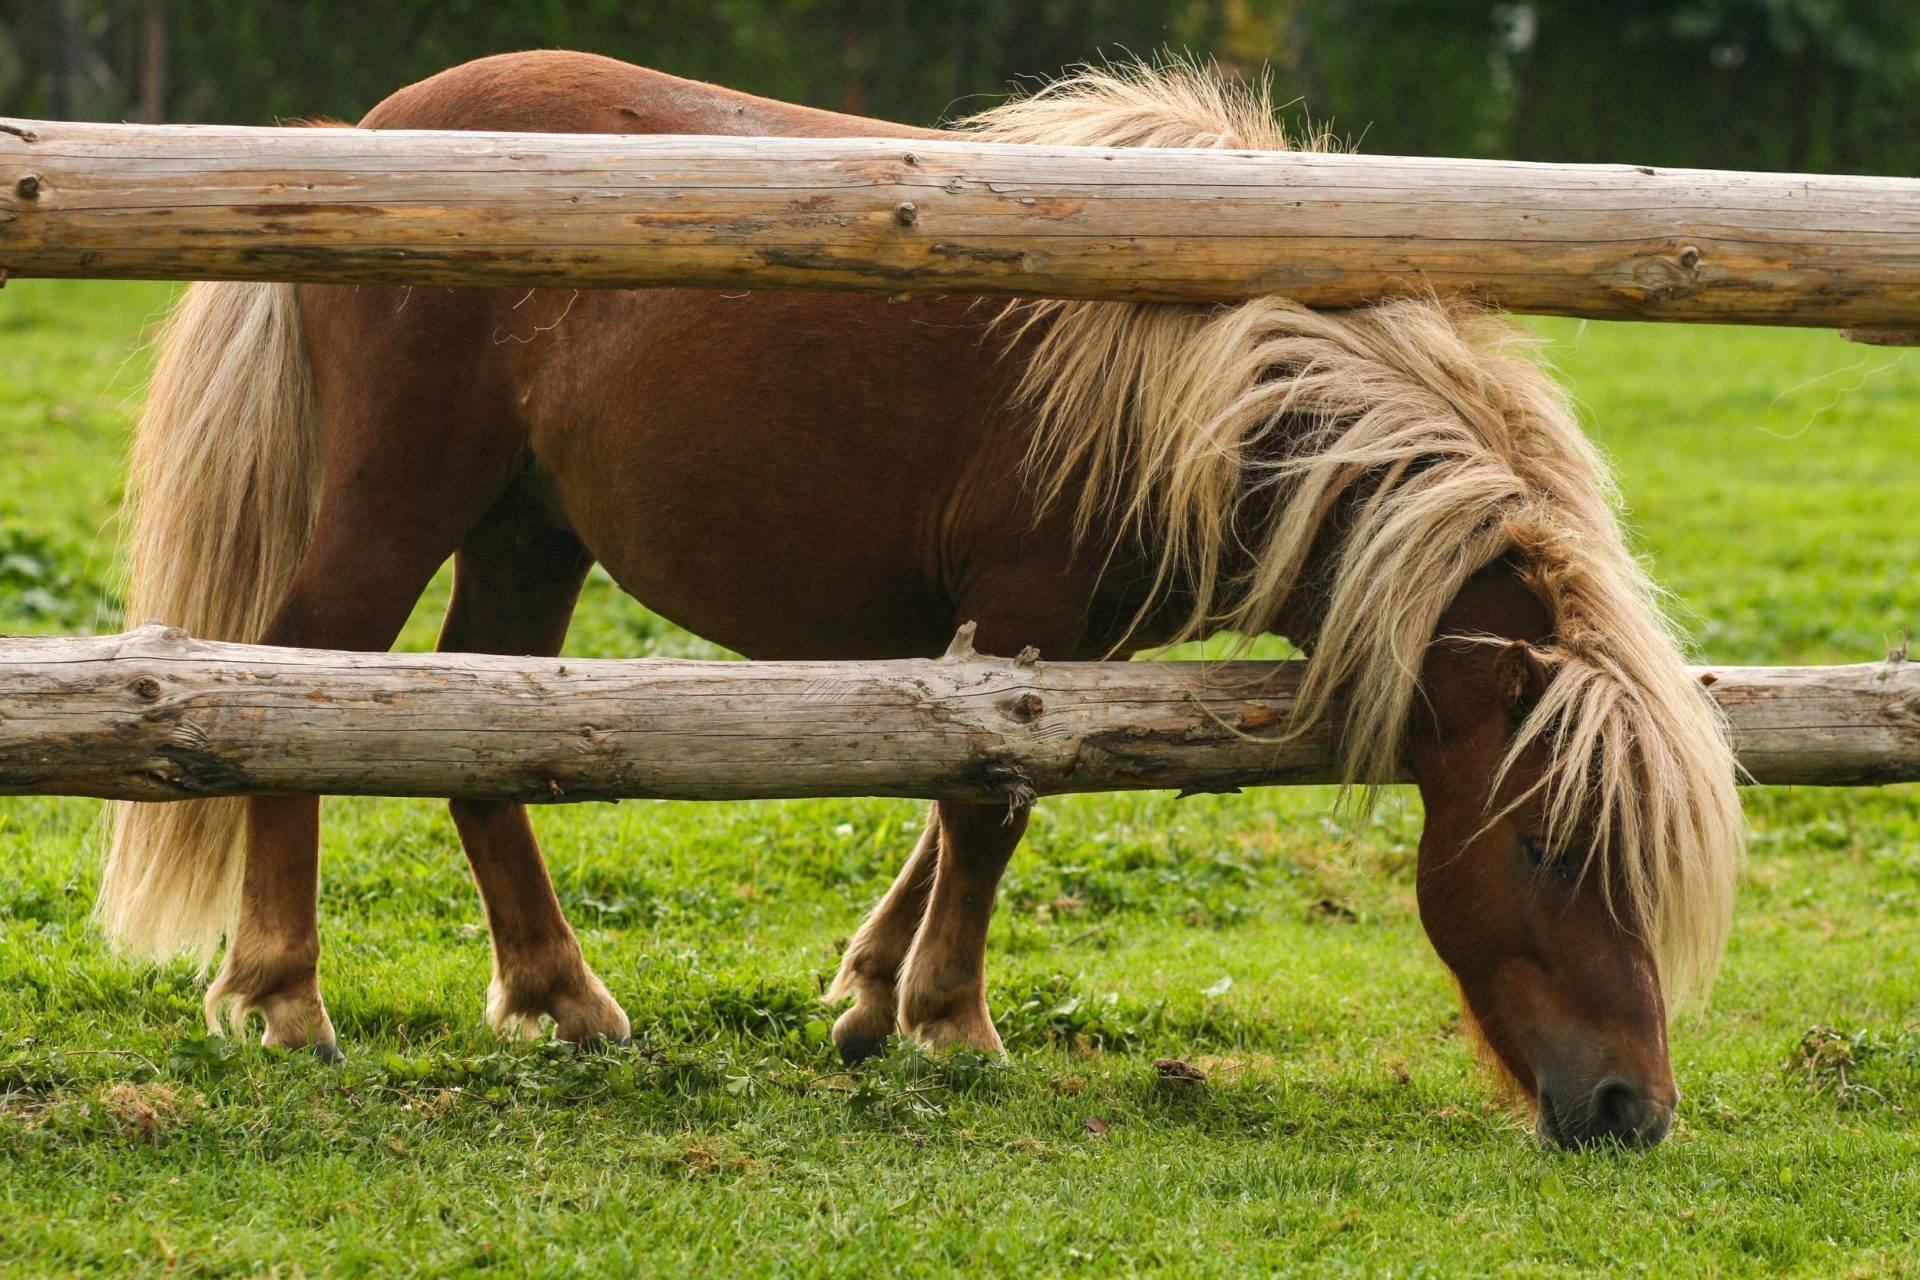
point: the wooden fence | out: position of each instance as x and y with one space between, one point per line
155 715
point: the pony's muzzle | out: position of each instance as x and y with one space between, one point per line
1576 1115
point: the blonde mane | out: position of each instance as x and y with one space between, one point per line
1455 448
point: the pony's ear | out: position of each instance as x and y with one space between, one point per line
1520 675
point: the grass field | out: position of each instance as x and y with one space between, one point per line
1774 480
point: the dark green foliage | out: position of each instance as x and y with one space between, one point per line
1799 85
44 579
271 59
1818 85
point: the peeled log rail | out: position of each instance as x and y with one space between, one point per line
178 202
156 715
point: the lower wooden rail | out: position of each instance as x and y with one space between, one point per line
157 715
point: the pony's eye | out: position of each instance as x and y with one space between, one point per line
1545 860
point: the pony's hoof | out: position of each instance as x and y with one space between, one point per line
597 1042
578 1005
971 1029
329 1053
855 1052
861 1032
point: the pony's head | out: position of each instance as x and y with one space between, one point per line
1559 983
1404 491
1577 849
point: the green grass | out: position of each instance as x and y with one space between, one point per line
1342 1128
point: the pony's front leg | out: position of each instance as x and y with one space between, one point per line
943 998
514 588
538 970
870 969
271 960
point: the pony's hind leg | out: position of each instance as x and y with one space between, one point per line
870 968
373 552
271 963
410 469
514 592
943 997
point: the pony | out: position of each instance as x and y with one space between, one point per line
1400 490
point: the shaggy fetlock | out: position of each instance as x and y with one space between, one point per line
577 1004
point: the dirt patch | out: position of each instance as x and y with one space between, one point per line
143 1112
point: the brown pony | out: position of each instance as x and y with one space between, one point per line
1397 489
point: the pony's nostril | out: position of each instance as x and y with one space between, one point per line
1636 1117
1619 1111
1614 1110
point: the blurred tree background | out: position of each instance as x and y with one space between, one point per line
1818 85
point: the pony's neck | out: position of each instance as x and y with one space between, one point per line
1305 609
1131 617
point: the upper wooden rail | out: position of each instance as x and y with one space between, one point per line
937 216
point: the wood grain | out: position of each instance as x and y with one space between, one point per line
355 206
155 715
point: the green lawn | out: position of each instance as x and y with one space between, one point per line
1773 479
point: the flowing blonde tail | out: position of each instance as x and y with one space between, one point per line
220 505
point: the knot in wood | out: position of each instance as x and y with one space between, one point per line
28 188
146 688
1258 715
1027 706
906 213
1689 257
